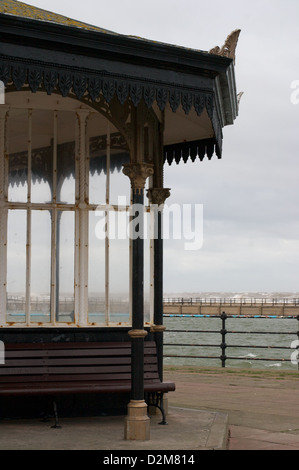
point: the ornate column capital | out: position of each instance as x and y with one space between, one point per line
137 334
158 329
158 196
138 174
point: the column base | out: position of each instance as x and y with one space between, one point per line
137 423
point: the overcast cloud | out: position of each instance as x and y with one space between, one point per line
250 197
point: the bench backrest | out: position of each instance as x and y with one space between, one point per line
62 362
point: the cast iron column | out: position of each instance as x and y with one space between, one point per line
138 333
3 216
137 426
157 198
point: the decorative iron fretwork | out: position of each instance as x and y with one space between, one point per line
174 100
35 79
162 96
94 87
5 72
136 93
149 95
108 89
105 89
187 102
191 150
50 80
42 158
19 76
122 91
80 85
199 104
65 83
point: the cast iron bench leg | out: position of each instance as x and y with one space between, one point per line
156 399
56 425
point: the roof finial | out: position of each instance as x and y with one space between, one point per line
229 48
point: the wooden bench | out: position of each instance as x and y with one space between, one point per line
55 369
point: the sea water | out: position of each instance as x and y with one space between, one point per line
205 339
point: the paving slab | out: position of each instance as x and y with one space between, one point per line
210 410
262 407
187 429
245 438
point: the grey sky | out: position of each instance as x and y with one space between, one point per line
250 197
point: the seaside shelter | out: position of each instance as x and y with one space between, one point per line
88 119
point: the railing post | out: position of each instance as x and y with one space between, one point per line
223 344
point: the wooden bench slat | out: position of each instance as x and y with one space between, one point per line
75 346
75 383
24 362
150 375
66 361
64 370
12 354
66 353
62 346
72 368
110 380
44 373
60 370
86 388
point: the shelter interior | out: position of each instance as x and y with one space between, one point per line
89 120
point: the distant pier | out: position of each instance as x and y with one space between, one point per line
234 307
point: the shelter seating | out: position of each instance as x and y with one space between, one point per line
55 369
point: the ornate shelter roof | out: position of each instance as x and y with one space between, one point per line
196 90
20 9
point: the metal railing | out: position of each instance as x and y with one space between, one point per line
224 346
232 301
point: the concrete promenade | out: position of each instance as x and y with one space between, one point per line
212 409
262 407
